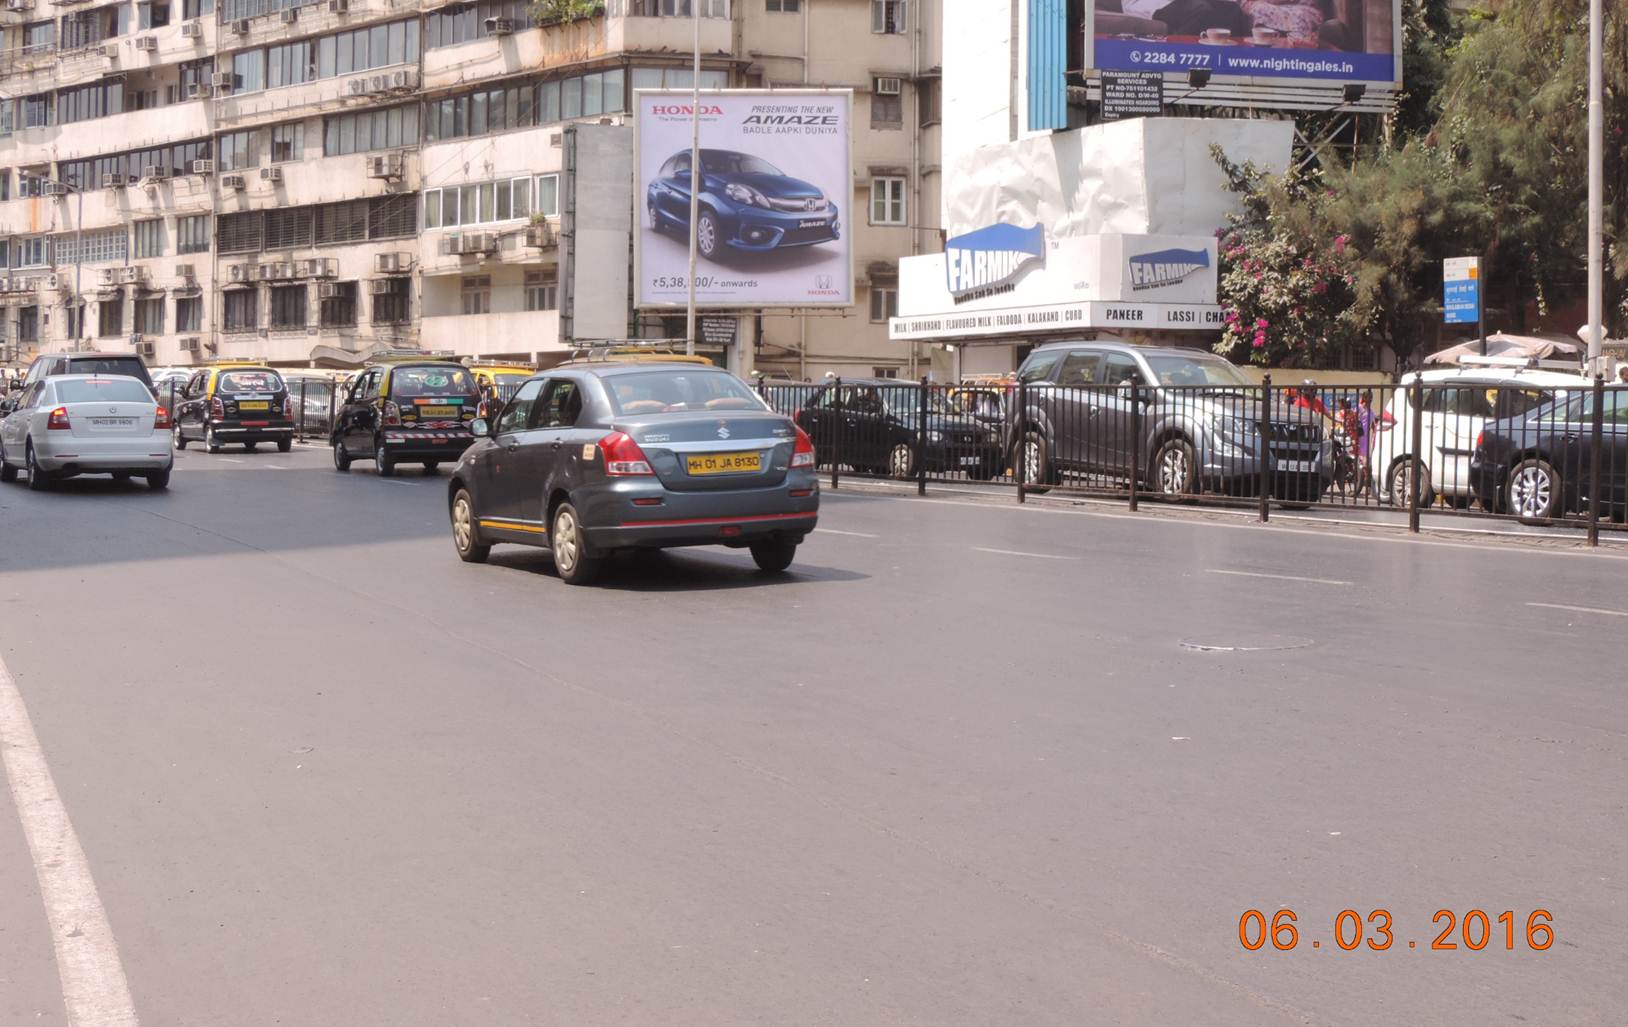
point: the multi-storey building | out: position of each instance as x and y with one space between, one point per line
313 181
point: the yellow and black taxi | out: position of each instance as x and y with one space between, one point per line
233 403
499 379
413 411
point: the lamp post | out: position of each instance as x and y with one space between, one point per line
695 174
1596 182
78 259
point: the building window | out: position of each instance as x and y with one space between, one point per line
242 310
108 244
477 294
249 71
478 203
149 237
542 290
110 317
884 372
528 103
36 111
287 142
150 316
5 187
887 102
31 252
192 234
28 324
782 6
339 305
370 130
887 16
884 302
289 227
460 23
887 201
391 300
666 8
189 314
98 100
548 195
288 306
929 97
236 151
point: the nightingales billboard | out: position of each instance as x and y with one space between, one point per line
772 227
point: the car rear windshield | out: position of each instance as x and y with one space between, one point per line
672 392
431 381
102 390
131 366
1173 370
249 381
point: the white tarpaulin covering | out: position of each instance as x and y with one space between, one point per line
1142 176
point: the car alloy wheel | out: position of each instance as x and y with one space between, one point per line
464 538
564 540
382 459
341 458
655 218
36 477
1402 484
1532 490
211 440
902 461
1175 468
180 440
706 234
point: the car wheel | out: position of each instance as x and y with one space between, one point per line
341 457
211 440
1173 468
158 481
37 480
465 536
1037 473
7 472
382 459
180 440
1401 484
706 234
571 556
901 462
655 217
1533 491
774 556
285 445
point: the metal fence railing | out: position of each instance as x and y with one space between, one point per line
1537 453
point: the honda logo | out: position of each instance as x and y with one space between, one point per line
811 205
822 281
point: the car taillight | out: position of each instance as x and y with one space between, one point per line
161 417
217 408
392 413
58 420
288 407
623 456
803 454
1480 438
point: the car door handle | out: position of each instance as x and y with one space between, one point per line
555 444
513 445
1571 438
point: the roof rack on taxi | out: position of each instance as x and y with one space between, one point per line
401 356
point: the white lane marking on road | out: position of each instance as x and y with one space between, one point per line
1276 577
850 534
275 467
1580 609
1014 552
94 988
229 460
393 481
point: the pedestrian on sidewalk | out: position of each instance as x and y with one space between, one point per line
1372 423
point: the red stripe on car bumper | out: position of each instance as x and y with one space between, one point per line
718 520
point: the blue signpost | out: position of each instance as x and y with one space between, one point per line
1461 294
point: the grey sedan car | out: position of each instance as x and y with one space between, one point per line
599 458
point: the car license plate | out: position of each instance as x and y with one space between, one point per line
1297 466
113 422
254 404
441 411
724 463
817 223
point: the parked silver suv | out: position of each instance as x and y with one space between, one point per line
1194 424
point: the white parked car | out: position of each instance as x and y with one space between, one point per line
1457 404
72 424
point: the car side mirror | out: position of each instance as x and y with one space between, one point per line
481 427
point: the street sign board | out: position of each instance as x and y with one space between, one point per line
1132 94
1461 295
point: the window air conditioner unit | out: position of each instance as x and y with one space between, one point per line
381 286
54 282
540 235
148 43
190 344
110 50
135 339
192 29
104 276
338 6
241 26
114 180
223 80
387 263
289 15
55 189
154 171
320 267
473 242
272 174
240 273
203 167
330 291
284 269
130 275
199 91
499 26
407 78
19 5
889 86
266 272
233 182
146 349
185 271
384 165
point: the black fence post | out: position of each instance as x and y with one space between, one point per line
921 442
333 399
1415 458
836 434
1020 445
1265 458
1595 486
1135 441
301 428
762 387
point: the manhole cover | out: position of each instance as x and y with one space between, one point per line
1256 644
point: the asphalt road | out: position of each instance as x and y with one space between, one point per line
967 764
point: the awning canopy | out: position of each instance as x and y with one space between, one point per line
1539 347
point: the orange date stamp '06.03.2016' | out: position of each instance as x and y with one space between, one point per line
1350 930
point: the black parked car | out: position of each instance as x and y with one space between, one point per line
234 403
413 412
874 425
593 459
1537 465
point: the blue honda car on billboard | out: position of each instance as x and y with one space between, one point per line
747 204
